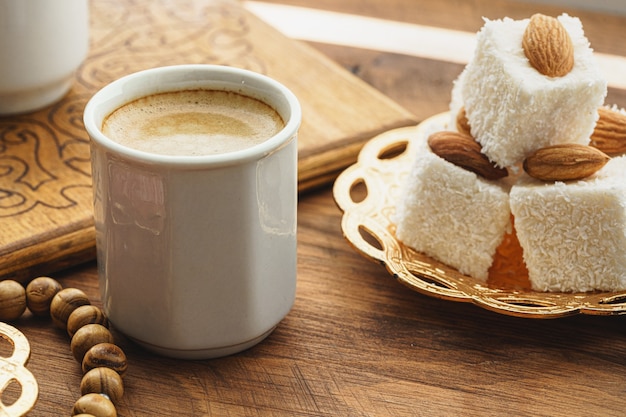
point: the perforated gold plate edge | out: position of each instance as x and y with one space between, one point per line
368 226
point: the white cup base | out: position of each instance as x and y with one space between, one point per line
198 354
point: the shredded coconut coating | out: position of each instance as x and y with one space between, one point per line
574 234
452 215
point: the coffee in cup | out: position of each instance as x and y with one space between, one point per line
193 122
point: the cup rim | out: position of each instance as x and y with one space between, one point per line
193 76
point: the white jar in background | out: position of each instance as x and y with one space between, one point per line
42 43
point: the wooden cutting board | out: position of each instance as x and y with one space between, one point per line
45 184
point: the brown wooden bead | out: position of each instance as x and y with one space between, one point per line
64 302
107 355
87 314
12 300
103 381
39 295
87 337
94 404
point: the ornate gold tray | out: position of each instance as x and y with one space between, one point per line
367 191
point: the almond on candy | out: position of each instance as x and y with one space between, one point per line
565 162
548 46
609 134
463 151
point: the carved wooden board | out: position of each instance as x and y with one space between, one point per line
45 185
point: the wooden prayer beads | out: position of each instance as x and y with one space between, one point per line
12 300
96 405
64 303
83 315
88 336
92 344
39 295
105 355
103 381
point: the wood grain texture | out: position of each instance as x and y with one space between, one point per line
356 342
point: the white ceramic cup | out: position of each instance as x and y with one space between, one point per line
196 254
42 43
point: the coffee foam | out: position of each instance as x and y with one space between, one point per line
193 122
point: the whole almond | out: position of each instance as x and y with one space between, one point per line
609 134
463 151
462 124
548 46
565 162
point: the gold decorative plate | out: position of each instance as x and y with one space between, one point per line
13 372
367 193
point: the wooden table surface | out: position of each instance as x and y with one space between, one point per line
356 342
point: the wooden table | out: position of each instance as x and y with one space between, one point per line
357 343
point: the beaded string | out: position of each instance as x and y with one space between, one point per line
92 345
